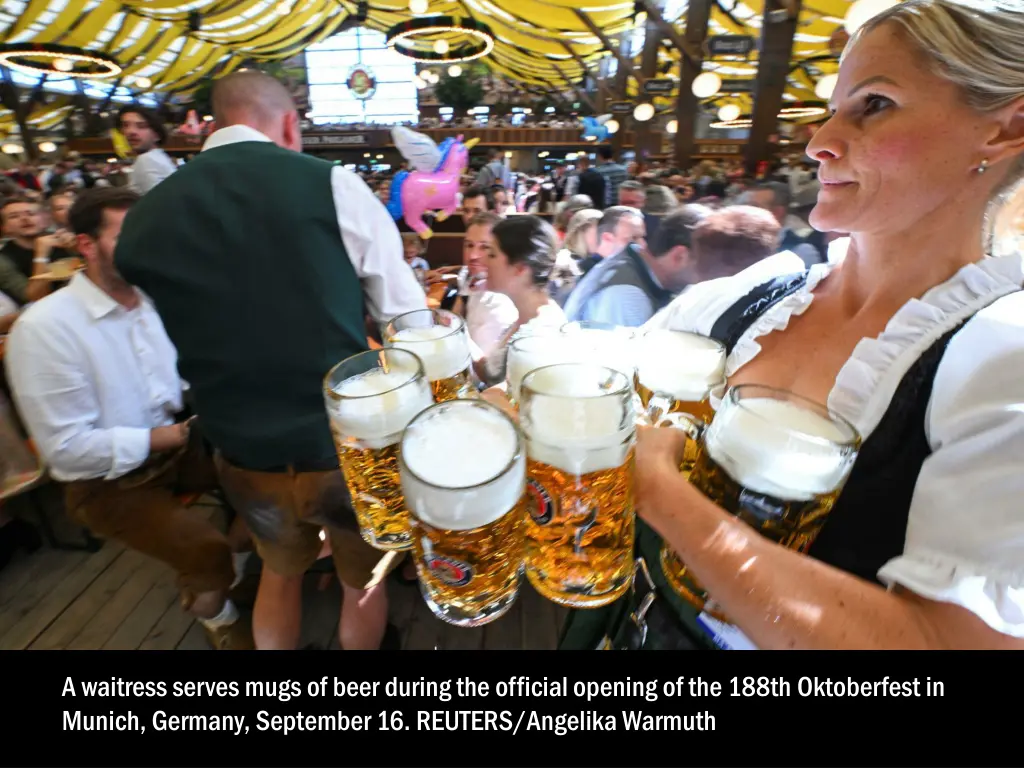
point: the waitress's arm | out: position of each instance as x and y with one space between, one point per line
779 598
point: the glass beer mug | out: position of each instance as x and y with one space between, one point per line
463 468
677 374
440 339
371 397
580 428
528 353
774 459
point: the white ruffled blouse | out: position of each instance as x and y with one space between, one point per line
965 534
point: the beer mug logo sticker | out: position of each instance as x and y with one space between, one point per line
452 572
541 505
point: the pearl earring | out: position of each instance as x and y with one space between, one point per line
983 167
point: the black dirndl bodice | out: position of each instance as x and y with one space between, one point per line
865 529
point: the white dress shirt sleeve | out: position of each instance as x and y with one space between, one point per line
965 535
375 248
61 409
488 317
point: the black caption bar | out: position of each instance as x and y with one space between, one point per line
529 708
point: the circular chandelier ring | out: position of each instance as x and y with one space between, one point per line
412 28
20 56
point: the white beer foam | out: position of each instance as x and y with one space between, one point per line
442 349
570 426
458 447
681 365
377 422
751 445
535 352
613 348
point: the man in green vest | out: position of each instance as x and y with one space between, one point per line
262 263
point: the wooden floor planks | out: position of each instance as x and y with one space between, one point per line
118 599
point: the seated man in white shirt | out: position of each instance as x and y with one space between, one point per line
95 379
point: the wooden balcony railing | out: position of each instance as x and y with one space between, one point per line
380 139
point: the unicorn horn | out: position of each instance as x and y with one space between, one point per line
603 119
471 143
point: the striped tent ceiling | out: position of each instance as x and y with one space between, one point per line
153 39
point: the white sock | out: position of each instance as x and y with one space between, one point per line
228 615
239 559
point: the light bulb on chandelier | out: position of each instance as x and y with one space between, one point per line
63 65
441 46
643 112
728 113
418 6
454 70
705 85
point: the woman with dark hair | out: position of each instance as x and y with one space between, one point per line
916 338
522 257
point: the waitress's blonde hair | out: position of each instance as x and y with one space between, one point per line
979 46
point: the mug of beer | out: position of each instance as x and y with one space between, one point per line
677 373
371 397
528 353
580 428
463 467
439 338
777 461
602 344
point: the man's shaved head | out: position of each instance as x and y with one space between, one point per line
255 99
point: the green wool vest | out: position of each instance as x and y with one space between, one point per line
241 252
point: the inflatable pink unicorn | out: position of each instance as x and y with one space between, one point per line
433 185
191 126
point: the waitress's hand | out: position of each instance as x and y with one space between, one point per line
658 483
496 396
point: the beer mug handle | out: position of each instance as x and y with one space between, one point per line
657 415
692 426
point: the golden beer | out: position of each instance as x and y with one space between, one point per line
776 461
439 338
371 397
463 470
579 423
677 373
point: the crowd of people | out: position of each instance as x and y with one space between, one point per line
190 351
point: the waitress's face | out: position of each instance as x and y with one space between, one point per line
902 146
